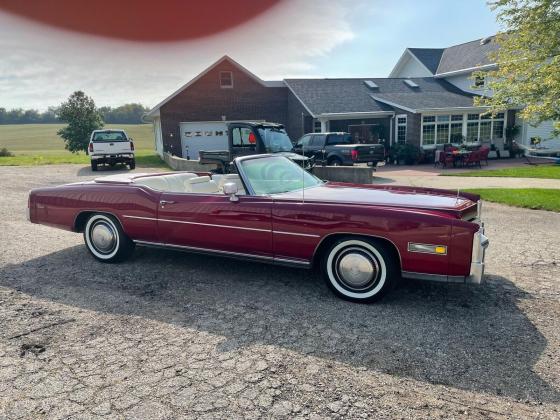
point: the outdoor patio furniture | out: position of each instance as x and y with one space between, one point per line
484 151
472 158
444 159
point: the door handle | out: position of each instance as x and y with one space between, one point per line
164 202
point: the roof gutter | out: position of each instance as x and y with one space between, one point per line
467 70
354 115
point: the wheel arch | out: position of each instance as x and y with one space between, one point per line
82 217
329 240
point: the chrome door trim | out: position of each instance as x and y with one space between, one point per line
238 255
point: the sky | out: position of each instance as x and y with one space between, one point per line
41 66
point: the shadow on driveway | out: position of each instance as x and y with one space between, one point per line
473 338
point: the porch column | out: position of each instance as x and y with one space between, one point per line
324 125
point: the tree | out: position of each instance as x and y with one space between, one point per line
82 117
528 58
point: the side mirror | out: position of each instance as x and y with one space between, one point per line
230 188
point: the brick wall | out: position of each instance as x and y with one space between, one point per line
204 100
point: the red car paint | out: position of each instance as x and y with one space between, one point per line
284 228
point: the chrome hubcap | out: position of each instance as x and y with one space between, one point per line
103 237
356 269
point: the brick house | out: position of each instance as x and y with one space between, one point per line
423 111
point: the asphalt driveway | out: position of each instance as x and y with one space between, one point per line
169 334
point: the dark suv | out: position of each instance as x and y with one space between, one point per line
336 149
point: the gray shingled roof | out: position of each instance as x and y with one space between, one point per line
326 96
466 56
430 57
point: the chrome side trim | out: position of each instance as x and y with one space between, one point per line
433 277
291 262
223 226
199 224
139 217
229 254
296 234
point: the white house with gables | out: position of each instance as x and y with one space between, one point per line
456 65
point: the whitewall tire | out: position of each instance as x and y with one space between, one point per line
359 270
106 240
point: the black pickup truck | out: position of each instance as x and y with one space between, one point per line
251 138
335 149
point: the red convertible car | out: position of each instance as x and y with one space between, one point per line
364 237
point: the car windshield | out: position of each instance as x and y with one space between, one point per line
275 140
102 136
276 174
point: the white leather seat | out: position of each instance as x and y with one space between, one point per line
217 178
157 183
177 182
202 184
232 178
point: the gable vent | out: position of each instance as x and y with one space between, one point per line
410 83
370 84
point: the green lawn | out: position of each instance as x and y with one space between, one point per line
531 198
38 144
544 171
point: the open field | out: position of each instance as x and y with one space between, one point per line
38 144
531 198
544 171
41 139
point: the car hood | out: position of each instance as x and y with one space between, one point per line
292 155
388 196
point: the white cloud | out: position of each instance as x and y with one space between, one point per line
41 66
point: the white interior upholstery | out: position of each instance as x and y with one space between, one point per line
232 178
202 184
158 183
177 182
187 182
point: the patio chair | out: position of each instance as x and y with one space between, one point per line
484 154
472 158
444 159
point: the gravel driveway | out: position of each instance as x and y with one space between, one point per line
169 334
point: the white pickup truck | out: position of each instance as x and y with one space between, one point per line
111 147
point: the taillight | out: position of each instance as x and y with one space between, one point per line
132 146
91 147
354 154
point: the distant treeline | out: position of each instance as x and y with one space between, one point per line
125 114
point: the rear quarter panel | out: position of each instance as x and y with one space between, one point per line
60 206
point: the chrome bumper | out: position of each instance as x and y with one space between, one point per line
480 243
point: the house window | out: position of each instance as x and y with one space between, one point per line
317 126
428 134
226 79
441 129
401 129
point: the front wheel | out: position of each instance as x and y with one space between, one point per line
93 166
106 240
360 270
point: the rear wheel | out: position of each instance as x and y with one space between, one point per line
93 166
360 270
334 162
132 164
106 240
